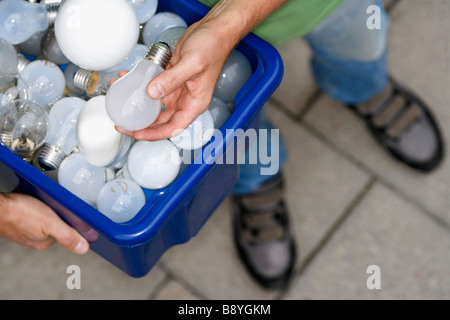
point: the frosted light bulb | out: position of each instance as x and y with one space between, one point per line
219 111
44 80
171 36
81 178
197 134
144 9
61 139
130 61
96 35
158 24
153 164
21 19
122 155
98 140
50 48
187 158
32 46
8 62
24 126
93 83
127 102
235 73
120 200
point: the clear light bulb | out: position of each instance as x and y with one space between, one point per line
153 164
144 9
235 73
50 48
96 35
219 111
158 24
197 134
24 126
171 36
127 102
81 178
13 92
98 140
8 63
93 83
131 60
22 19
61 139
44 80
69 73
120 200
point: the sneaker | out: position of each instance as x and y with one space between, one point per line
263 236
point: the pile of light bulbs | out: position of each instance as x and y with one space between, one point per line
58 111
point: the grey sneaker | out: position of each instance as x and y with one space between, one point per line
263 236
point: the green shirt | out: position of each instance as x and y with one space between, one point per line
292 20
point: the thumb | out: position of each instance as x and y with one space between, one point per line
69 238
171 79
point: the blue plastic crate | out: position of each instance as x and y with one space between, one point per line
175 214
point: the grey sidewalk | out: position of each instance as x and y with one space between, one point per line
352 205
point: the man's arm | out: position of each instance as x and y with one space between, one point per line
187 85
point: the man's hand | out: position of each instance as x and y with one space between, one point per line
32 224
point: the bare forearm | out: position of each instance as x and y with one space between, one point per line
234 19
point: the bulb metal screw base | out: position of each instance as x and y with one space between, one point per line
50 156
81 79
52 7
6 138
159 54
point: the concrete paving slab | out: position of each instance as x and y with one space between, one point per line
411 251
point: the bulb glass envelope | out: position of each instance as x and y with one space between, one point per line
172 215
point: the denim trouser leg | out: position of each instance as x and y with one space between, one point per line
349 63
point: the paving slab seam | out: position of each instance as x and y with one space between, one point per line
331 231
171 275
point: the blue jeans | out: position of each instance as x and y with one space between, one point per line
349 63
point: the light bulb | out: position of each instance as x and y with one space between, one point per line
120 200
24 126
69 73
171 36
8 62
144 9
130 61
127 102
21 19
235 73
153 164
50 48
219 111
158 24
32 46
187 158
93 83
197 134
61 139
98 140
81 178
96 35
13 91
44 80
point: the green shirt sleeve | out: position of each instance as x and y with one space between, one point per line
294 19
